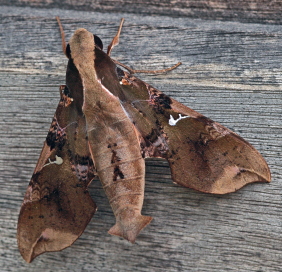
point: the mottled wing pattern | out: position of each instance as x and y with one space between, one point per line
57 206
202 154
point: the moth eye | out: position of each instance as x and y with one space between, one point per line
98 42
68 51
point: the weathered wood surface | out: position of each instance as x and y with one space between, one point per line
259 11
231 72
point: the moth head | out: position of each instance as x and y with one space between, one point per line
97 41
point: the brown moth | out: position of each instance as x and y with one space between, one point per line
107 122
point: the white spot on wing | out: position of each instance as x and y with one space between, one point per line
57 161
173 121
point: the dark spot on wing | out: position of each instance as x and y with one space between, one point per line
161 102
120 73
117 173
114 158
152 137
56 137
66 98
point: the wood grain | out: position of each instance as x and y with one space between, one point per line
231 72
255 11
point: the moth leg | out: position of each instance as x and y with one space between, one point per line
133 71
64 44
115 40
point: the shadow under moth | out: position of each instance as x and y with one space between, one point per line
107 122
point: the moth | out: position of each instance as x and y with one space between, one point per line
107 122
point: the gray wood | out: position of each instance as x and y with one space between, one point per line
259 11
231 72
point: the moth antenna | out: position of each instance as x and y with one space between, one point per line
64 128
133 71
115 40
64 45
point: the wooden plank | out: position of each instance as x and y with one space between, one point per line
256 11
231 72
